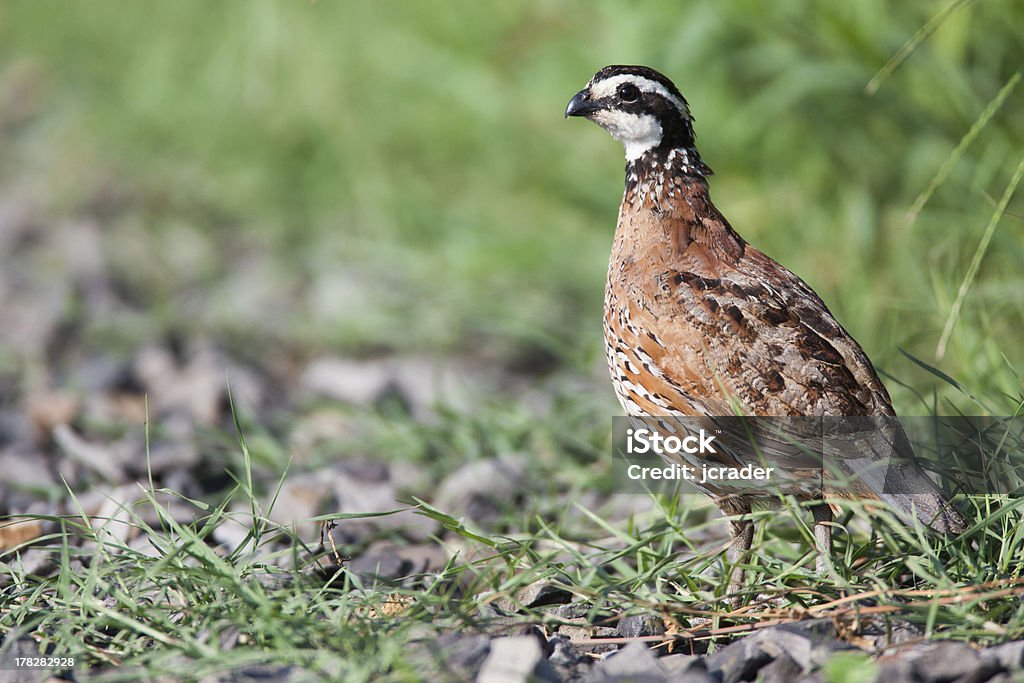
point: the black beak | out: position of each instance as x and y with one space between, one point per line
580 105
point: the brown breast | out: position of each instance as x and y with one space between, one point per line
697 322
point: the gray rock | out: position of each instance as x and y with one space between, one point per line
25 473
424 384
300 498
562 651
679 663
347 380
574 610
273 581
641 625
516 659
233 529
1008 655
420 384
100 373
584 631
880 634
33 561
194 388
783 642
286 673
411 477
900 671
809 643
366 490
738 661
687 669
535 632
30 322
15 427
23 647
112 521
172 449
323 428
947 661
102 460
568 663
697 673
535 595
635 663
423 557
783 669
478 489
450 656
374 567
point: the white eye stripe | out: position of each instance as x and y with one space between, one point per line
609 86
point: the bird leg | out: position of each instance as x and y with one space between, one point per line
742 538
823 537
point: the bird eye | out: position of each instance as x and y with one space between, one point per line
629 92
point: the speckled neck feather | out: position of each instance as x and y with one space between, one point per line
653 171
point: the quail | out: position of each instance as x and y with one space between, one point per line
699 323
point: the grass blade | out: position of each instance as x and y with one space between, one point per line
915 41
965 141
979 254
949 380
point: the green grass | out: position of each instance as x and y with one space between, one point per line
398 177
185 600
195 606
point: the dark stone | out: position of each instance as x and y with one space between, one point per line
374 567
23 647
562 651
567 661
809 643
949 661
883 633
516 658
783 669
273 581
535 632
738 661
259 672
635 663
33 562
423 557
1008 655
687 669
575 610
453 656
15 428
365 470
641 625
900 671
480 489
535 595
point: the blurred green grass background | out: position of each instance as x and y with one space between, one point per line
371 177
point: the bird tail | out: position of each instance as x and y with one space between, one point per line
883 462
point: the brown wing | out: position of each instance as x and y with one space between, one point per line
731 331
752 331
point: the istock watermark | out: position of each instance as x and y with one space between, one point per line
765 456
641 441
645 441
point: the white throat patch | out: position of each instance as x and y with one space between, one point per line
637 132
